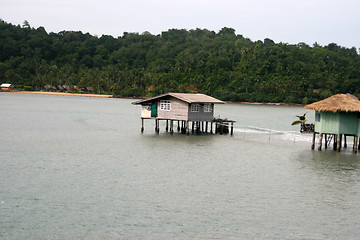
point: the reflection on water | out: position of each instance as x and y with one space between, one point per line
78 168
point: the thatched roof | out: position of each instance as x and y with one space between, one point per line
338 102
186 97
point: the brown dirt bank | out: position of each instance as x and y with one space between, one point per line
63 94
116 96
264 103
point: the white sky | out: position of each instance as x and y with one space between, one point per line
287 21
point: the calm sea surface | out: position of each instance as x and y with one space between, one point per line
79 168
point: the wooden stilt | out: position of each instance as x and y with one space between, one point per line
355 144
193 127
202 126
345 143
187 128
320 141
206 127
338 145
211 127
178 128
232 129
326 141
313 141
142 125
157 127
216 127
335 142
167 125
172 126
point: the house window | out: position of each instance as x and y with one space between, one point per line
207 107
195 107
165 105
317 117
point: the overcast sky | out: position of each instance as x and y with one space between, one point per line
287 21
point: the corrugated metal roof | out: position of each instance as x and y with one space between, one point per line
186 97
5 85
338 102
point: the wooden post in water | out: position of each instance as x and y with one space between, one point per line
232 128
206 127
338 145
172 126
313 141
320 141
335 142
157 127
326 141
167 125
187 128
211 127
355 144
192 127
221 128
345 143
142 125
178 128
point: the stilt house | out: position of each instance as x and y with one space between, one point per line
181 107
5 86
336 117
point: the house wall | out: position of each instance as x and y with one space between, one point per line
146 111
201 115
337 123
178 109
348 123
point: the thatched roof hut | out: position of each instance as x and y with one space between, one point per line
337 103
338 115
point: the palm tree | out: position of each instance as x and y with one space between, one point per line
301 120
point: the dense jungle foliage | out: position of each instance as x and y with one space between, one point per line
223 64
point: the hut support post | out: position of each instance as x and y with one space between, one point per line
192 127
211 127
320 141
313 141
326 141
178 128
338 145
206 126
142 125
345 143
167 125
187 128
157 123
355 144
232 129
171 126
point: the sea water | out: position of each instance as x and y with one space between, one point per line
79 168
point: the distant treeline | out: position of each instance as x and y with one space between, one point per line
223 64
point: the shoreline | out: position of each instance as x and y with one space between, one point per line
64 94
114 96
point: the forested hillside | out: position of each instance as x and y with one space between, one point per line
223 64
